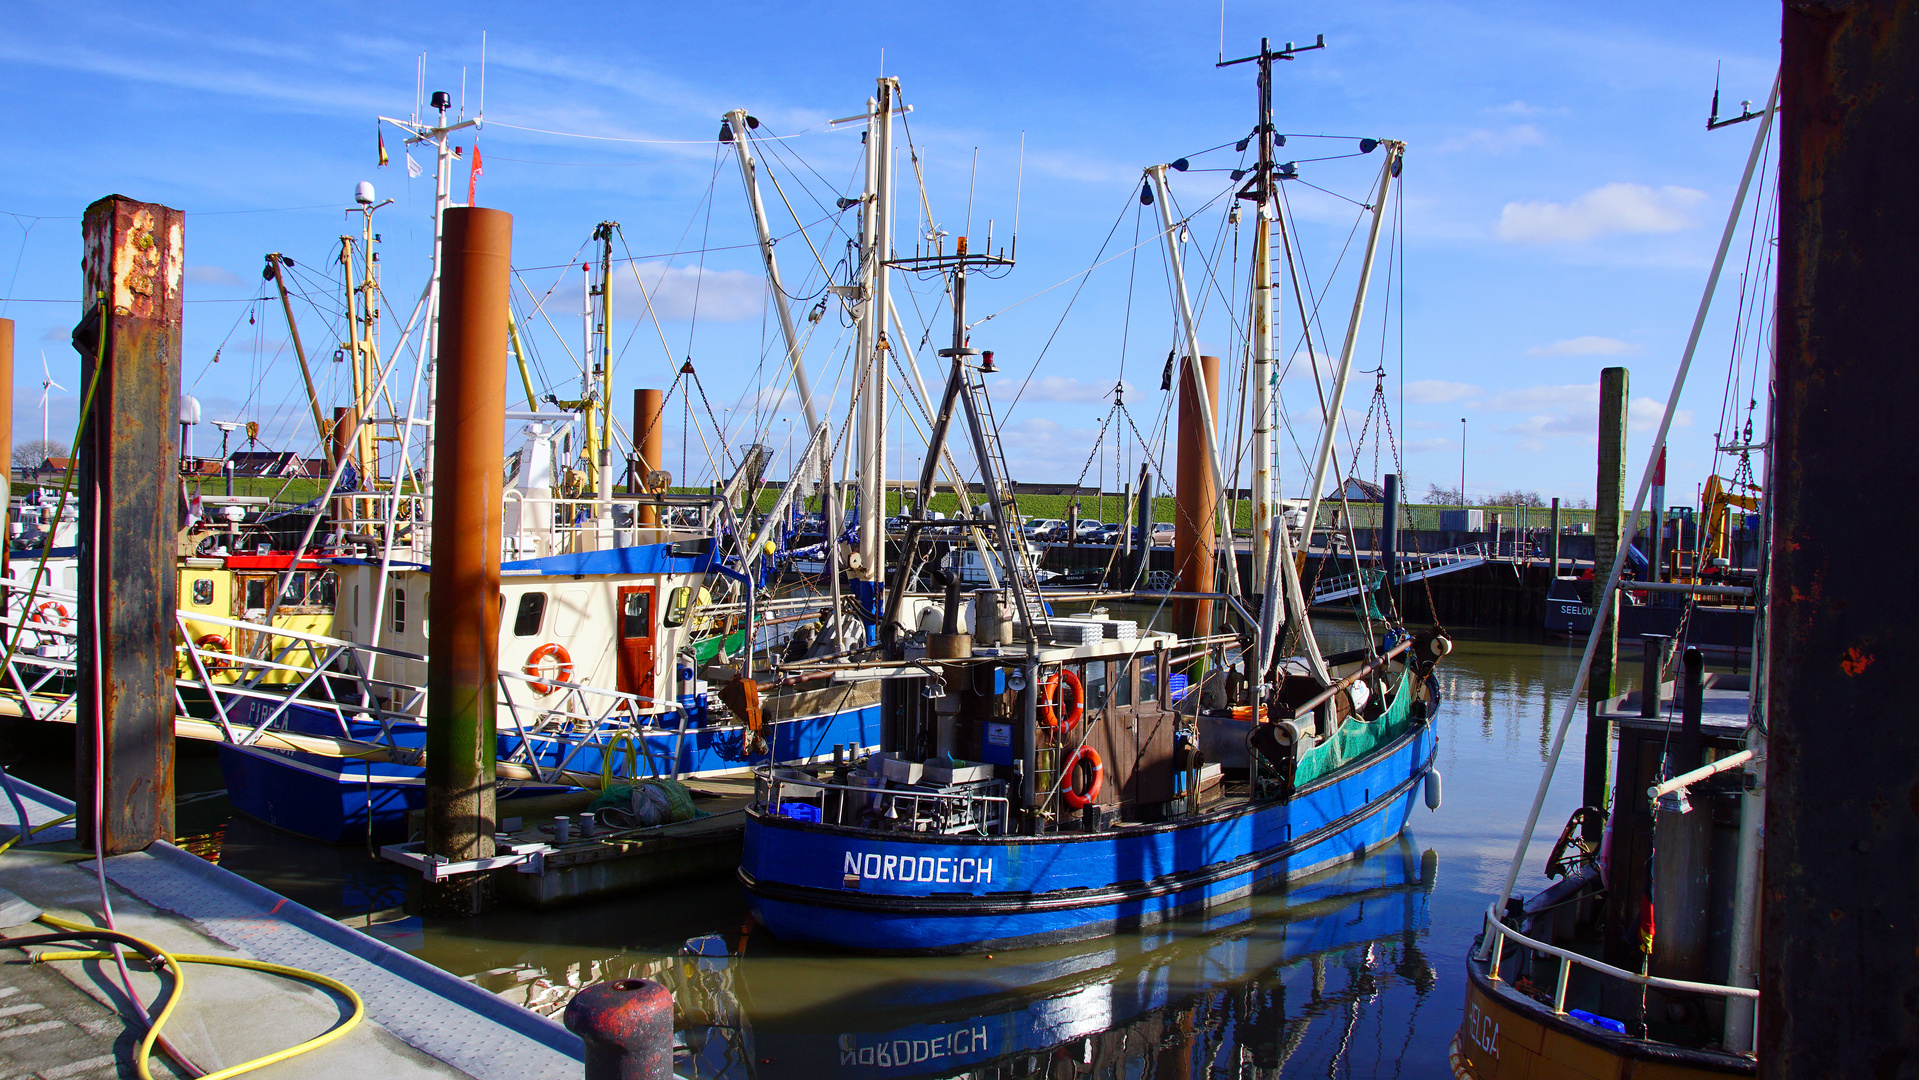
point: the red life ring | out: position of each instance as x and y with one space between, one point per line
214 643
536 666
60 618
1049 699
1074 797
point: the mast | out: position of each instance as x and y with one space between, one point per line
599 395
876 240
1265 326
737 124
1190 367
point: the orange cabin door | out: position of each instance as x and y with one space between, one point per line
636 639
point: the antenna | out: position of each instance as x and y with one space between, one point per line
1713 123
462 91
482 111
1222 30
1286 53
969 192
1019 184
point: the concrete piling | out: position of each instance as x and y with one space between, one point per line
129 339
464 603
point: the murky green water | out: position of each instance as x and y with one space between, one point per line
1357 973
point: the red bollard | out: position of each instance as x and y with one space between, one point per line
627 1026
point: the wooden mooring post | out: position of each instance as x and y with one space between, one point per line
129 490
1609 532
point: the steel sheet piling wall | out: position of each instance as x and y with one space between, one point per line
1197 501
1840 929
464 603
129 486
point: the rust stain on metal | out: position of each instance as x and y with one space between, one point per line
1855 663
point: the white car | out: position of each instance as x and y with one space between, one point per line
1041 526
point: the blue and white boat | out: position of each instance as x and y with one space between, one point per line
1045 779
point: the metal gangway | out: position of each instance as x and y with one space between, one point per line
1413 566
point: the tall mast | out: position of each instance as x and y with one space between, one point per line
737 126
599 396
1265 326
876 236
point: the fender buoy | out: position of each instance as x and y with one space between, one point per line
1049 700
1076 798
536 666
214 643
1432 790
52 613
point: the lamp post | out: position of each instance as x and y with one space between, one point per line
1462 462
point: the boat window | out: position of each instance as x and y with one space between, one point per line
1123 684
323 590
257 594
295 591
399 610
532 611
636 617
1093 677
1148 680
202 591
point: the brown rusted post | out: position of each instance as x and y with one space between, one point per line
1195 503
648 440
1609 524
129 488
463 665
1839 986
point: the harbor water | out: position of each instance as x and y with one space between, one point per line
1357 972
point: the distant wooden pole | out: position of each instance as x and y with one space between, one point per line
1609 518
129 486
1555 540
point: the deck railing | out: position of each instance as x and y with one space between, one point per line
886 808
1494 947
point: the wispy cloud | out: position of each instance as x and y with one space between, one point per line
1612 208
1059 389
211 275
1587 345
1486 140
678 293
1516 108
1438 391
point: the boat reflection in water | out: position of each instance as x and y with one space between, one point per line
1284 977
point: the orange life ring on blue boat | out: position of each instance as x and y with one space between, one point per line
536 667
1049 700
1074 796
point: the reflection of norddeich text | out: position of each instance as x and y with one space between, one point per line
897 1052
942 871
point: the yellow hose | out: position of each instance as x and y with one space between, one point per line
37 828
173 962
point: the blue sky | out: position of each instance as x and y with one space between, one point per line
1562 199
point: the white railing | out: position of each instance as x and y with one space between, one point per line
884 807
1413 566
1497 934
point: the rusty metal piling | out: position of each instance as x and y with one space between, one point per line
649 442
1840 927
129 486
1196 502
464 603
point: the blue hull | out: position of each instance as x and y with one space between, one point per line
336 800
886 892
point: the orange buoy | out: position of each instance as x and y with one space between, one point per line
549 661
1049 700
1076 797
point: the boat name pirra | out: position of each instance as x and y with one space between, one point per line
939 870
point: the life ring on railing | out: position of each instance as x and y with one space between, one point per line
1049 700
52 613
536 666
1076 798
214 643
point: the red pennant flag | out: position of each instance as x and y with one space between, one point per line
382 134
473 177
1646 926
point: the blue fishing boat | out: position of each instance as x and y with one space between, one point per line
1044 778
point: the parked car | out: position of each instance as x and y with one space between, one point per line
1163 534
1109 534
1041 528
1089 528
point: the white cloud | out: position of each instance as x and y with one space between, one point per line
1535 398
211 275
1644 413
1430 445
677 292
1587 345
1612 208
1517 108
1438 392
1574 410
1058 388
1494 142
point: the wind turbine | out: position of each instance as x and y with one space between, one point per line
46 385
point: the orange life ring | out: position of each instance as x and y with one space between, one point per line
60 620
1049 698
214 643
1074 797
536 666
